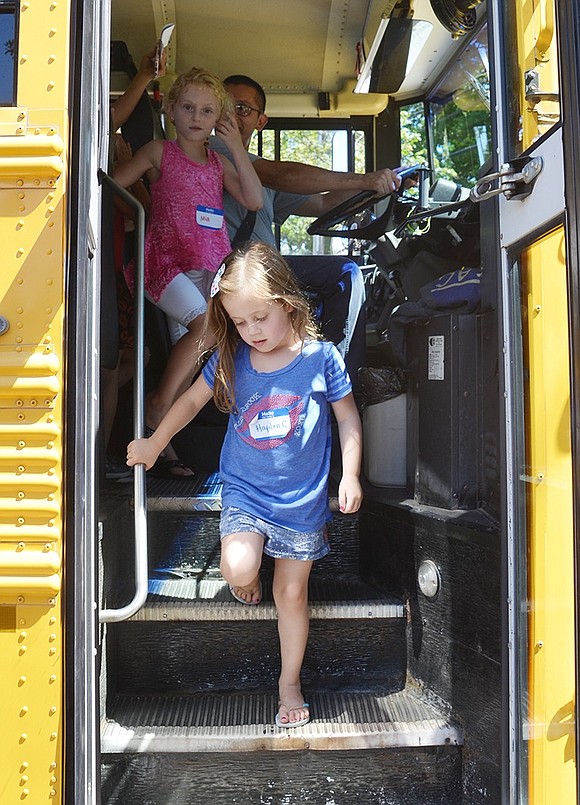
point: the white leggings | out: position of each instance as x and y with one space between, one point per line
185 298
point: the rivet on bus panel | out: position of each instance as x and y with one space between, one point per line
53 736
23 766
52 651
23 737
19 252
52 711
25 793
20 469
50 86
52 32
24 6
23 710
22 650
20 224
51 58
21 546
21 681
22 636
24 779
51 681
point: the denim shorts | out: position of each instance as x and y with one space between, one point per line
280 543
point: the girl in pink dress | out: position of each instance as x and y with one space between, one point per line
186 237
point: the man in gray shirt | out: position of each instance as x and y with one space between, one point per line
294 188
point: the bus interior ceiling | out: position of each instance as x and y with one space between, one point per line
295 50
404 684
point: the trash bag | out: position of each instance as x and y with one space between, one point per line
380 384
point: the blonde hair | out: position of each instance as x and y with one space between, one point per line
258 270
203 78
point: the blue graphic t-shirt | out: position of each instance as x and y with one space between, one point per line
276 454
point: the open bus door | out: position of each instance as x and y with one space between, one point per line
536 332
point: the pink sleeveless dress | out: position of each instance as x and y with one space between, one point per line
186 228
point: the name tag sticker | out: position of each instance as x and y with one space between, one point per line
209 217
274 424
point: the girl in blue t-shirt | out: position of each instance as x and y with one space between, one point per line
277 381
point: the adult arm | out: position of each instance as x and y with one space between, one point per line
123 107
183 410
350 435
296 177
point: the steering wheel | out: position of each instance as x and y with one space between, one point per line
360 202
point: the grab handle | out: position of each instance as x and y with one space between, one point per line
140 508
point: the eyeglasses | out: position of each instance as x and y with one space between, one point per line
244 109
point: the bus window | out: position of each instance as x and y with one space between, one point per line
338 149
413 134
459 116
8 54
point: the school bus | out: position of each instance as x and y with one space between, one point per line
442 659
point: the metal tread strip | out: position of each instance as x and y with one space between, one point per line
244 722
191 599
202 494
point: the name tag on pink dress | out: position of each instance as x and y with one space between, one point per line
209 217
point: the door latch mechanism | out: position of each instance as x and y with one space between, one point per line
514 179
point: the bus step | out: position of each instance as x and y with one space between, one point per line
206 599
244 722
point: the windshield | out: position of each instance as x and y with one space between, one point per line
459 115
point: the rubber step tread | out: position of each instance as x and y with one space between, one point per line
237 722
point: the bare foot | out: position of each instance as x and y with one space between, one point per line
252 594
292 709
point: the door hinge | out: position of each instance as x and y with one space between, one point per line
514 179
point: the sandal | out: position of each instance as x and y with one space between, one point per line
291 724
243 600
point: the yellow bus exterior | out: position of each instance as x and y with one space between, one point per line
33 201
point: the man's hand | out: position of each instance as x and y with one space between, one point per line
382 182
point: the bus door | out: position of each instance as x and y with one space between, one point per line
539 695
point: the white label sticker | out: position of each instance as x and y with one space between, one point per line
436 364
274 424
209 217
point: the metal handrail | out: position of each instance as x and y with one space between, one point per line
140 508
